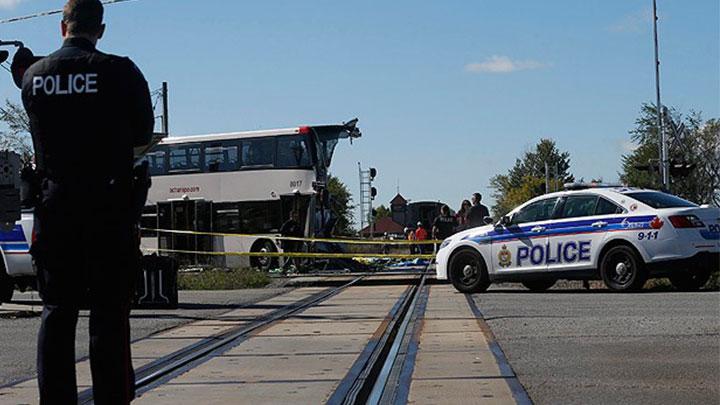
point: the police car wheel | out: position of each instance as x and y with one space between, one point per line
690 280
538 285
263 262
622 270
468 272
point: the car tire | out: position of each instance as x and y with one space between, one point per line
260 262
7 286
538 285
622 269
690 280
468 272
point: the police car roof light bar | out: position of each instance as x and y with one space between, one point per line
585 186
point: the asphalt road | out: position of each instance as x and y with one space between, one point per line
18 337
598 347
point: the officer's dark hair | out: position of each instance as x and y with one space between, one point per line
83 16
478 196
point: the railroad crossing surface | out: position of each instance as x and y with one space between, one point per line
398 342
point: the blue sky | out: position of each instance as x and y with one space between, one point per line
448 93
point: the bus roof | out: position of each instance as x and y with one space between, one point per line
349 128
229 135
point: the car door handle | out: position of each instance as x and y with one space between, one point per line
537 229
599 224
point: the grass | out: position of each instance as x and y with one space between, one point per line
222 279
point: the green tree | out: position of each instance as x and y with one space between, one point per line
526 179
382 212
342 206
698 145
16 136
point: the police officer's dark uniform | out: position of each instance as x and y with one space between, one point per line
87 111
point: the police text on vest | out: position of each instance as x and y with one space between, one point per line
79 83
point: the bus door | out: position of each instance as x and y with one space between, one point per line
301 204
186 215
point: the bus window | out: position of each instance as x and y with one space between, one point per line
258 152
293 151
156 162
226 217
220 158
261 217
185 158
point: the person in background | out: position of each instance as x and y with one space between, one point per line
291 228
462 215
444 224
477 213
420 235
410 235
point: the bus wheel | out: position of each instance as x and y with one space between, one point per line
264 263
7 286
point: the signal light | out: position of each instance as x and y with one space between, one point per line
686 221
304 130
373 173
373 192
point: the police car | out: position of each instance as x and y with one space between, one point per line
16 265
620 235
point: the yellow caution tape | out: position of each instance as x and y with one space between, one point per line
292 238
297 254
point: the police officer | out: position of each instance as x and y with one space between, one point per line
87 111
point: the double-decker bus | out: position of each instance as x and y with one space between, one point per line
241 182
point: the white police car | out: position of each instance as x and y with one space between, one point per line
620 235
16 266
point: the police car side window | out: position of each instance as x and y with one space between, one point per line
605 207
538 211
579 206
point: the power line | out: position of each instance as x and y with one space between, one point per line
53 12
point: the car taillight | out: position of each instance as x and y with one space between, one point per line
304 130
686 221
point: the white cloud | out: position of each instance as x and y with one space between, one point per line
9 4
639 21
502 64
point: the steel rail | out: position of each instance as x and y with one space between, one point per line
373 367
164 369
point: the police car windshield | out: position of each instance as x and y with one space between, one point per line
657 199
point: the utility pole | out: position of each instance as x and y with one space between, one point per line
547 178
165 120
664 169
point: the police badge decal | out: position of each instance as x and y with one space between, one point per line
504 257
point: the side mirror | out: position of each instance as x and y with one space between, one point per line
488 220
505 220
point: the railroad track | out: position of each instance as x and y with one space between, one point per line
168 367
382 373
